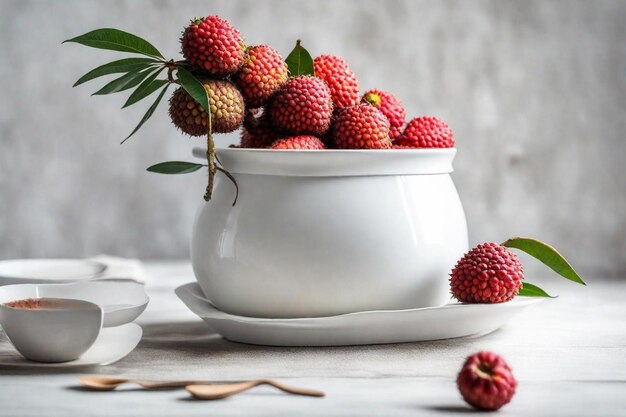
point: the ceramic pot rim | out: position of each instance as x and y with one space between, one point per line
336 162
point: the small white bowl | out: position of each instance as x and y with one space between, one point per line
122 301
52 334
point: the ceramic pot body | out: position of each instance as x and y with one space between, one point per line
318 233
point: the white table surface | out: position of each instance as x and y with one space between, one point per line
568 354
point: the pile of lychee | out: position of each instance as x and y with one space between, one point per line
251 87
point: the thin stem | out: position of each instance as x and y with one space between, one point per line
172 66
232 179
210 156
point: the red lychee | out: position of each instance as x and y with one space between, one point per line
390 106
486 381
302 106
343 84
361 127
227 109
489 273
213 46
298 142
262 73
426 132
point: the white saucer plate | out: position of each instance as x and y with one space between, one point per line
112 345
30 271
362 328
122 301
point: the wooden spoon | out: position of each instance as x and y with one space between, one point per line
106 383
206 390
216 392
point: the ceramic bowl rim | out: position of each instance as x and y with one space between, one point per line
142 301
335 162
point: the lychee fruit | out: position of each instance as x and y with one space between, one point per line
298 142
343 84
361 127
302 106
259 134
489 273
227 109
213 46
390 106
262 73
426 132
486 381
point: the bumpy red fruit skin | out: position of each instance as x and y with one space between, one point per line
213 46
390 106
426 132
302 106
260 134
489 273
227 109
261 74
361 127
343 84
486 381
299 142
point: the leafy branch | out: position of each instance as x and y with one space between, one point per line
140 74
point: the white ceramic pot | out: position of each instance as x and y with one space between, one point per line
318 233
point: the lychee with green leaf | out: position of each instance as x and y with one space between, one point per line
213 46
491 273
226 103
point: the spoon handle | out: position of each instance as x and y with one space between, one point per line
294 390
99 383
165 384
216 392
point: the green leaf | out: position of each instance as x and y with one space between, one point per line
126 81
175 167
546 254
300 62
531 290
116 40
149 113
147 87
193 87
115 67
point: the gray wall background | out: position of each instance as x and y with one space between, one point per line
534 90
